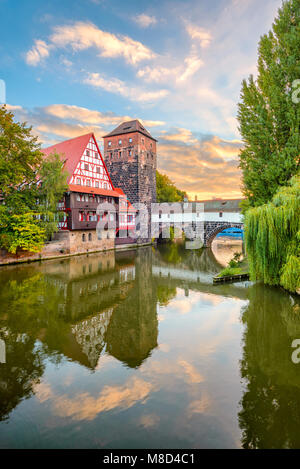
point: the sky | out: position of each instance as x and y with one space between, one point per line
72 67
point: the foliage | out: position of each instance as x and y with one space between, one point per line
22 231
235 266
166 191
228 271
269 119
31 187
272 236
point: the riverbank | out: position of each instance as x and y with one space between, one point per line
50 253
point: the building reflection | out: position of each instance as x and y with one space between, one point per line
270 414
75 308
133 329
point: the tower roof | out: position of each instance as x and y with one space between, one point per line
129 127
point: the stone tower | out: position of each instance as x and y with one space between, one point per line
130 157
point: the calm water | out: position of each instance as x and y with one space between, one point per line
139 349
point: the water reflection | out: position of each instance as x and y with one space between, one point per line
144 331
223 247
270 415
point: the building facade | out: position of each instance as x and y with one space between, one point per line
131 159
125 176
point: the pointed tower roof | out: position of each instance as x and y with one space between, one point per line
129 127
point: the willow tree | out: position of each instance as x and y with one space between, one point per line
269 111
272 236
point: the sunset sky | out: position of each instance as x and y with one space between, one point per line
72 67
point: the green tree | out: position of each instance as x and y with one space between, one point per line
272 235
30 187
269 119
166 191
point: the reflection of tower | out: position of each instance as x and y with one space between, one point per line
133 328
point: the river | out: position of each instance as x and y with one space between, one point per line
137 349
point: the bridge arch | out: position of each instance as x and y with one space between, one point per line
212 229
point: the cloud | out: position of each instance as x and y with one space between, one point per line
39 51
83 35
114 85
144 21
201 35
84 406
191 372
87 407
62 121
210 163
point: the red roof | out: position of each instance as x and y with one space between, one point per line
93 190
71 151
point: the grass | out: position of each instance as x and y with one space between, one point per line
236 268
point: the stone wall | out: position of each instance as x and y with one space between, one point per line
211 229
64 243
132 167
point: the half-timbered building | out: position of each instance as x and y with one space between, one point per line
89 184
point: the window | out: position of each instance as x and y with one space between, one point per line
111 155
86 167
90 236
81 216
221 214
86 198
87 153
130 140
120 142
109 143
129 218
143 140
120 154
105 185
78 198
98 169
88 182
96 154
78 181
96 183
83 237
129 153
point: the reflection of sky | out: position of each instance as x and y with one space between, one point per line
185 394
224 247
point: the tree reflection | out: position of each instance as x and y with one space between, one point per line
270 415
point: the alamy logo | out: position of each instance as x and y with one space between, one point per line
296 92
2 351
296 353
2 92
